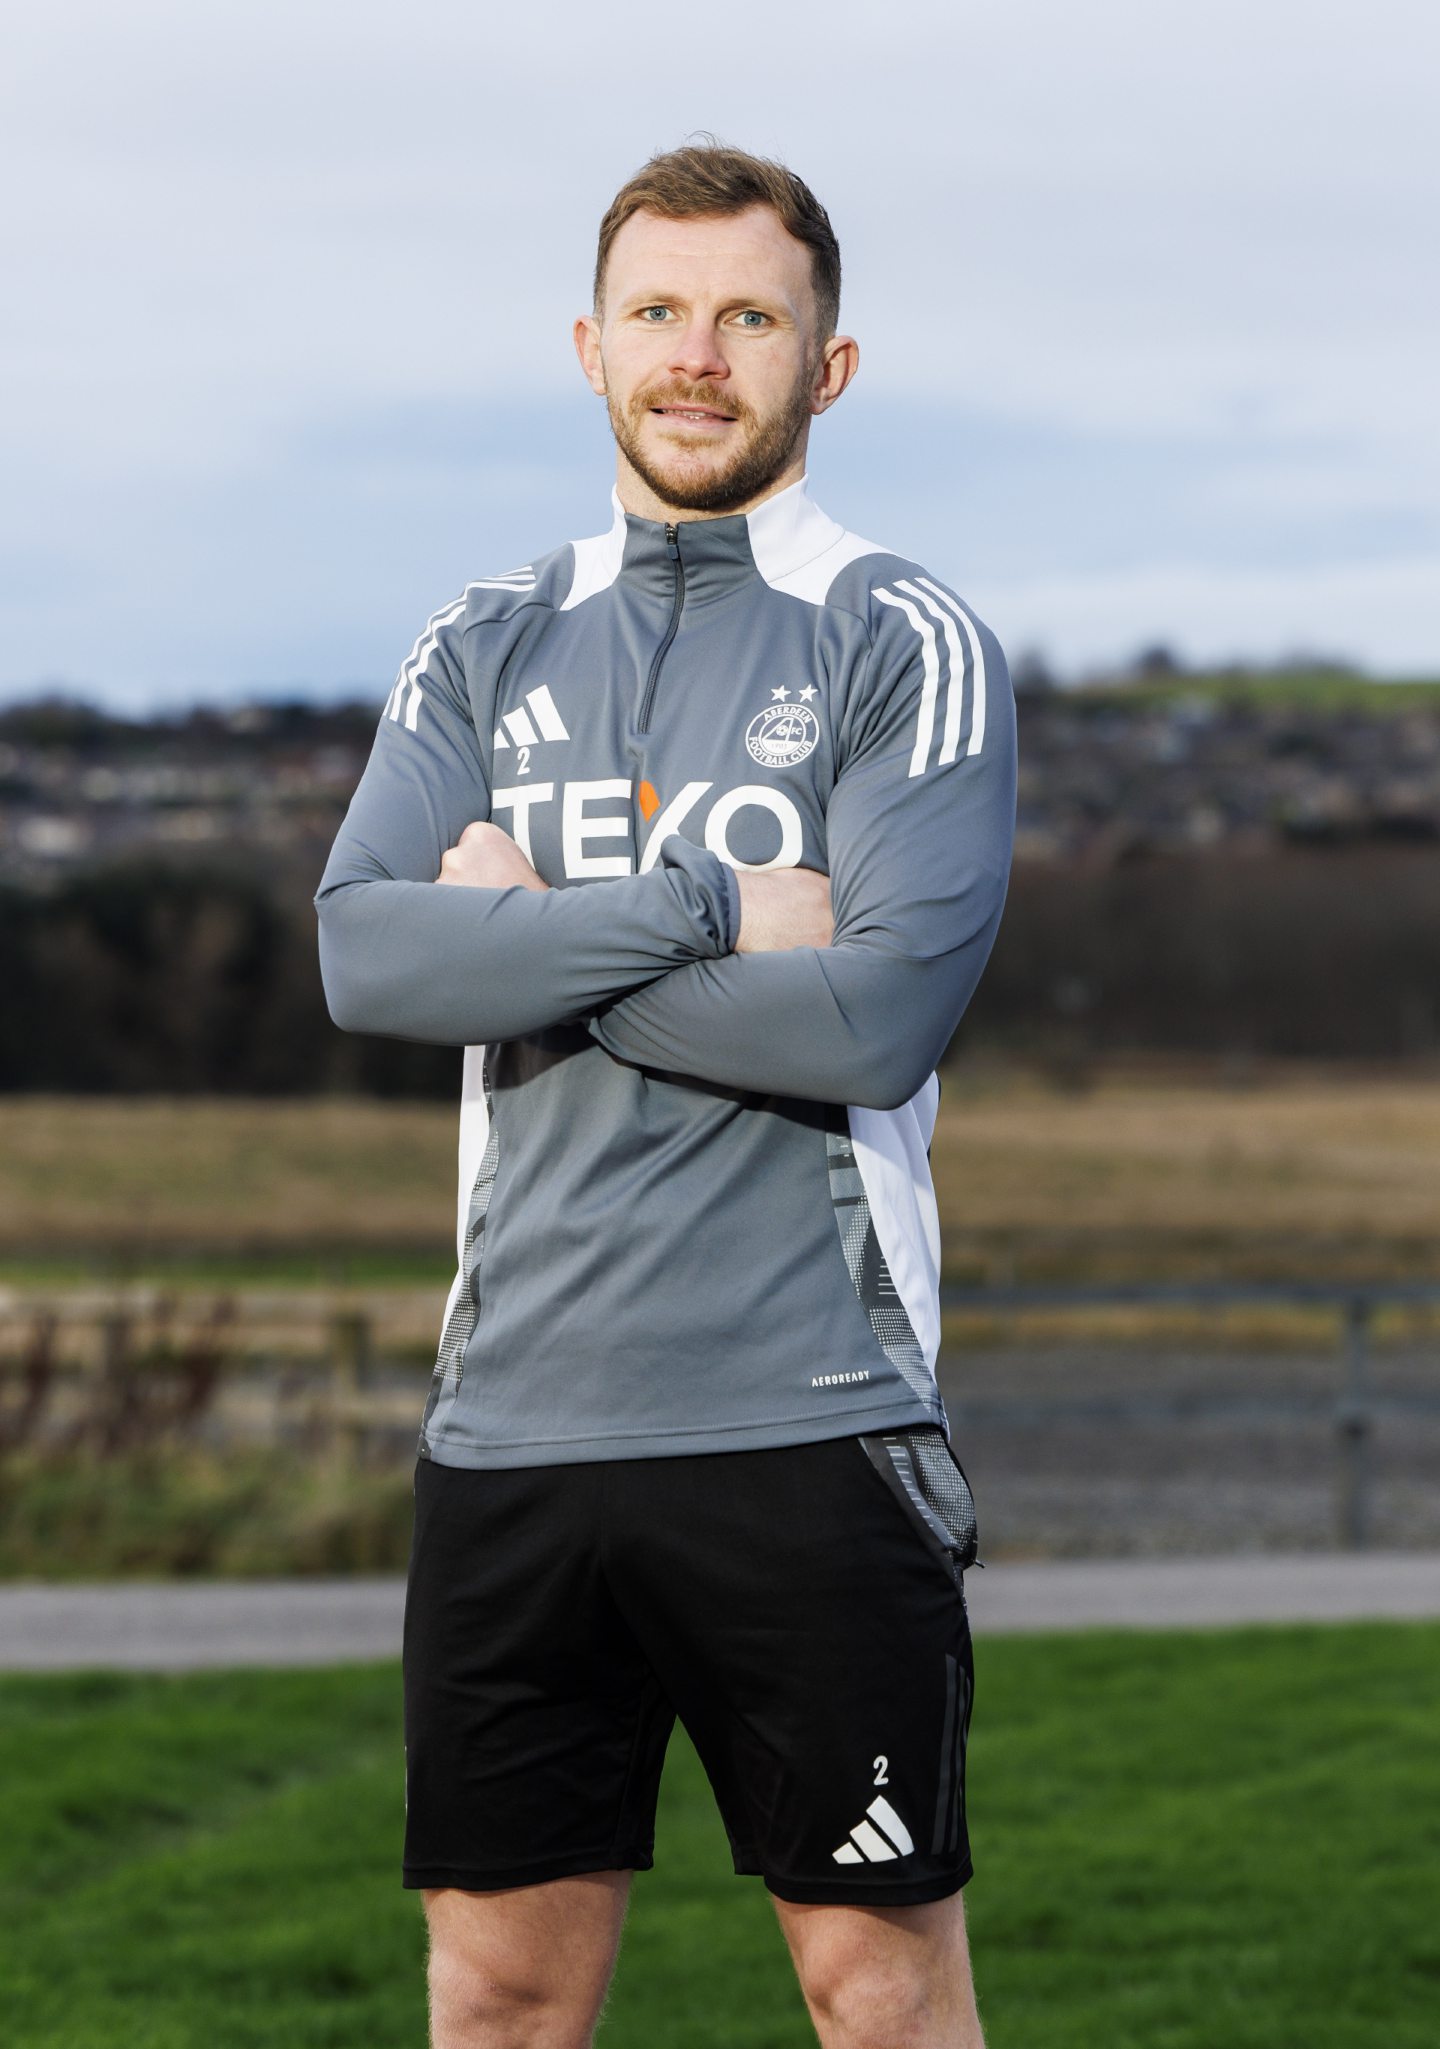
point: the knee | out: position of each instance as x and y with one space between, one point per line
524 1968
477 2005
873 2005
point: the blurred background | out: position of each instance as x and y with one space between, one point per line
1147 375
1149 317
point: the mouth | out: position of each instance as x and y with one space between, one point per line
694 416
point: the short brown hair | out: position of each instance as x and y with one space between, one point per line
709 178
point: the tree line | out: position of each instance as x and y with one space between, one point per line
157 976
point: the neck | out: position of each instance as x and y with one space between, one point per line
637 497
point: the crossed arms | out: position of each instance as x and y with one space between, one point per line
434 925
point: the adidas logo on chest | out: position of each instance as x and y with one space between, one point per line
537 719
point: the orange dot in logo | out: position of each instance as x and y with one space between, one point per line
649 802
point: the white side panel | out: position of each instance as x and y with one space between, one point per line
890 1151
474 1136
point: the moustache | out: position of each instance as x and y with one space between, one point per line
696 395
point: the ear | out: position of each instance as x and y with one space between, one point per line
839 360
586 334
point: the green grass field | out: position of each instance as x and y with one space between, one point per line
1302 689
1181 1841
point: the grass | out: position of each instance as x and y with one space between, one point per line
1298 689
1180 1840
185 1512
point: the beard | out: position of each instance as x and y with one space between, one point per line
690 479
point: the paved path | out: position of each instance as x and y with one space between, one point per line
322 1622
1197 1593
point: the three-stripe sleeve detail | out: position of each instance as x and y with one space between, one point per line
963 662
404 700
954 671
925 723
977 664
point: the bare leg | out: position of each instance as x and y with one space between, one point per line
885 1977
526 1968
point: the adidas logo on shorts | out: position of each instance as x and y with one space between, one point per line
867 1845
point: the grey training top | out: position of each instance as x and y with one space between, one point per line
695 1203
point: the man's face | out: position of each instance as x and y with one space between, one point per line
708 356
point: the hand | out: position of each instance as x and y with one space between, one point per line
485 857
783 907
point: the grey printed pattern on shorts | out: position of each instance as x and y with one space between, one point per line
921 1468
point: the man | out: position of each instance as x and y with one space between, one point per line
720 806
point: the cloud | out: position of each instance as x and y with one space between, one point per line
291 287
1382 613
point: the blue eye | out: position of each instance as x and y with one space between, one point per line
649 310
751 318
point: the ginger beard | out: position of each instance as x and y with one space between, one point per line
687 470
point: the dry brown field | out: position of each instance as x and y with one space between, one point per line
1324 1174
1134 1175
1138 1174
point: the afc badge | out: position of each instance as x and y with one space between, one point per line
783 733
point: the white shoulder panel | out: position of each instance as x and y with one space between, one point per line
597 560
798 548
813 581
891 1153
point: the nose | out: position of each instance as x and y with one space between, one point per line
698 356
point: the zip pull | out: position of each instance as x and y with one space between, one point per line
672 542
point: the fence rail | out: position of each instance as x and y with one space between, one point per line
1354 1410
117 1369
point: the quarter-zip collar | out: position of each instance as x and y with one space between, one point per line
715 553
772 542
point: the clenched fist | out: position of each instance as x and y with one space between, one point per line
486 857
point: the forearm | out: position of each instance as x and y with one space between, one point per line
464 966
840 1024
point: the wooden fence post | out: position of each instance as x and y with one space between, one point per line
349 1366
1354 1426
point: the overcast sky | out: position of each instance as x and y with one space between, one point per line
1146 294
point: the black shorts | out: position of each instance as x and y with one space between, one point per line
801 1610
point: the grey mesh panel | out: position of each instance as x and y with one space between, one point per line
920 1465
868 1268
459 1326
945 1489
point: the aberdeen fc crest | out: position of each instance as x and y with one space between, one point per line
783 733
